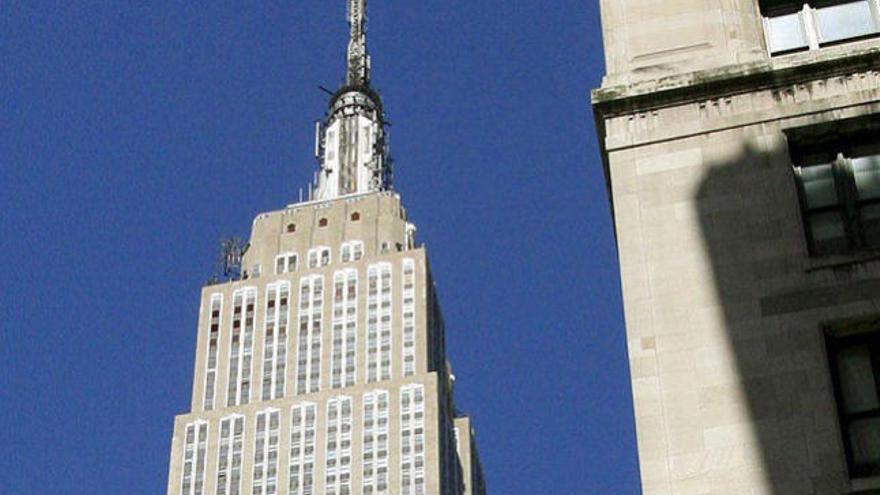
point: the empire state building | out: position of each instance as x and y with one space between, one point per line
321 368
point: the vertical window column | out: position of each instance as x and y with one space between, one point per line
412 440
337 480
265 480
375 441
311 307
302 449
379 322
241 347
194 451
213 344
409 317
344 328
275 343
229 462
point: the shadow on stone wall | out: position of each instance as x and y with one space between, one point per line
749 217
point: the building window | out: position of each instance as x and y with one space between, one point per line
275 340
213 347
343 356
194 452
302 449
308 359
841 203
409 317
337 479
412 440
355 216
319 256
375 453
378 345
241 347
286 263
265 481
854 358
322 222
291 228
352 251
229 459
795 25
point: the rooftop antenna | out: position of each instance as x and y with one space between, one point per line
232 251
358 73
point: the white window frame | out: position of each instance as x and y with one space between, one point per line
351 251
209 395
283 261
319 257
810 26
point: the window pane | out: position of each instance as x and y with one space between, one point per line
871 224
857 379
786 32
864 436
828 233
843 21
867 174
819 188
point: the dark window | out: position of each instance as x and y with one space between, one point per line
837 168
841 203
291 228
854 359
322 222
355 216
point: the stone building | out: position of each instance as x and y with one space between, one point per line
322 368
741 145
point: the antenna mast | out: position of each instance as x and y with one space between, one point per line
358 73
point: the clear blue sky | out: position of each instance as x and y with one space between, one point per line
134 135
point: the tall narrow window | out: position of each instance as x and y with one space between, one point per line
229 461
344 328
194 452
311 307
412 440
213 346
265 480
375 460
378 356
854 355
302 449
275 340
409 317
337 479
241 347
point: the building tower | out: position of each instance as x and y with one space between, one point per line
322 369
741 145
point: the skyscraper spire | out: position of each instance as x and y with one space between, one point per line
358 59
351 142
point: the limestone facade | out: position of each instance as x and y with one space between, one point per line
729 309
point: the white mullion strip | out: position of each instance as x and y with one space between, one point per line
215 323
371 354
281 335
270 329
317 319
406 442
303 337
408 351
194 458
385 340
337 358
349 333
235 329
245 363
